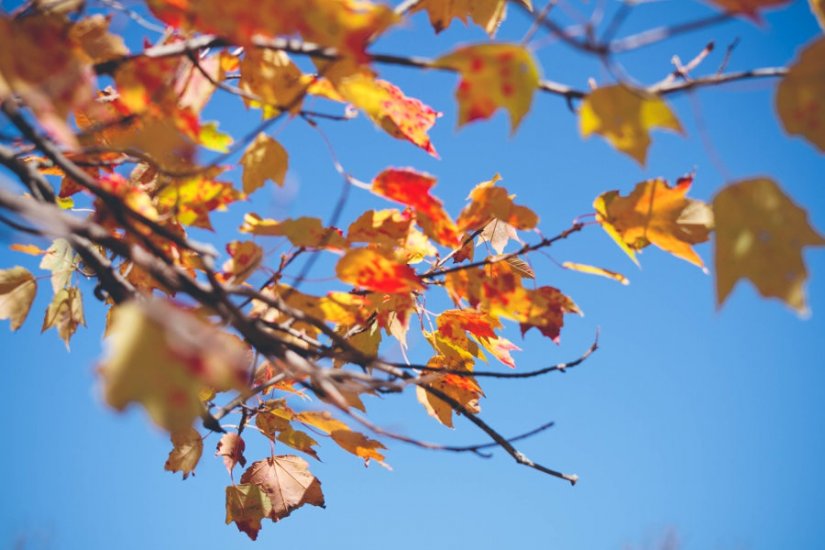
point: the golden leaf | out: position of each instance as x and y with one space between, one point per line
800 96
656 213
760 234
264 159
625 116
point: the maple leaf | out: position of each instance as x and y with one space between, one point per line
18 288
386 105
760 234
65 313
488 14
230 448
274 416
625 116
186 452
60 260
247 505
799 96
245 258
453 323
287 482
388 228
488 203
493 76
192 199
546 309
264 159
463 389
304 231
656 213
321 420
412 188
347 25
162 357
298 440
272 76
375 270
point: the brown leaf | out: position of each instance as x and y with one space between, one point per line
247 505
287 482
231 447
17 290
187 451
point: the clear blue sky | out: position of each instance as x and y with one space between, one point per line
707 424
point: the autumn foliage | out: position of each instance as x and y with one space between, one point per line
109 151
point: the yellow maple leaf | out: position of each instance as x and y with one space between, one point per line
162 356
493 76
386 105
264 159
488 202
656 213
247 504
800 96
760 234
488 14
377 270
625 116
359 445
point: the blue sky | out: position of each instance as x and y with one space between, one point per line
707 424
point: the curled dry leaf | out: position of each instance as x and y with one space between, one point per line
18 288
65 313
186 452
230 448
287 482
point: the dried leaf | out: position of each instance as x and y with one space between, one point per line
247 505
287 482
65 313
186 453
625 116
760 234
231 447
18 288
60 260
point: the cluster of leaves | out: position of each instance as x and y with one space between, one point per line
121 132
